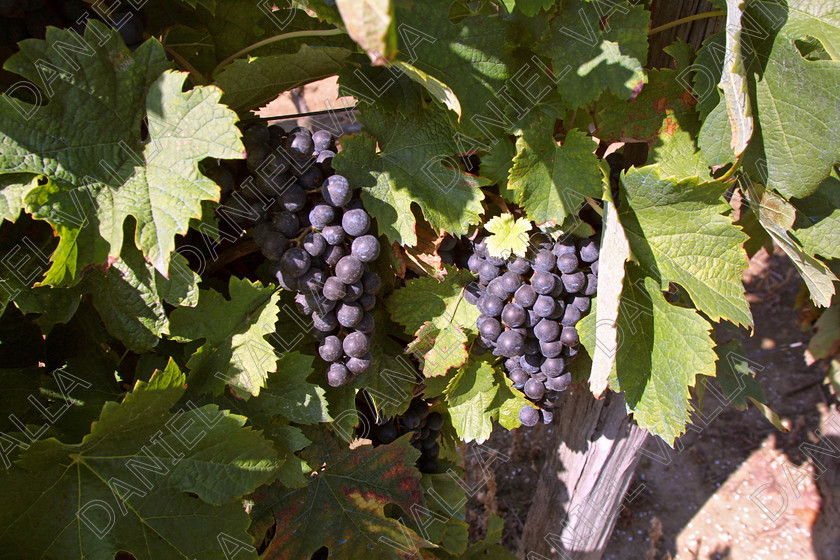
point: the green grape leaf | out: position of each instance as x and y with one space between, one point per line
465 65
289 394
250 84
800 145
507 402
138 482
343 507
736 377
13 190
777 216
818 225
209 5
415 165
371 24
111 169
592 51
531 7
509 236
825 343
130 294
678 233
552 180
438 316
652 332
470 398
235 350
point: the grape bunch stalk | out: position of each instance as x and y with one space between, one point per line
529 312
316 235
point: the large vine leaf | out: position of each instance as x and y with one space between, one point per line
551 181
733 80
652 333
235 350
130 294
800 145
592 51
464 65
470 395
145 480
438 316
678 233
343 506
250 84
371 24
89 136
415 164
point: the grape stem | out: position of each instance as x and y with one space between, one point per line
687 19
197 77
275 39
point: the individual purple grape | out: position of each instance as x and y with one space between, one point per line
314 243
551 349
356 344
519 377
591 285
567 263
594 268
487 272
336 191
530 363
525 296
312 280
286 223
330 349
338 375
573 283
321 215
495 288
562 247
293 198
301 144
367 324
322 140
365 248
519 266
334 289
571 316
514 315
569 336
295 262
534 389
334 235
588 250
581 303
358 366
325 322
472 293
474 263
559 383
490 328
529 416
510 343
510 281
544 261
547 330
333 254
553 367
354 291
490 305
543 282
349 269
367 301
355 222
349 314
544 306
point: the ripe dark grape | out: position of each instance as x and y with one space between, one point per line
567 263
334 289
293 198
314 243
510 343
330 349
321 216
510 281
514 315
354 291
574 282
356 344
543 282
322 140
490 328
333 254
588 251
571 316
358 366
366 325
336 191
569 336
547 330
355 222
525 296
495 288
371 282
529 416
490 305
349 269
338 375
544 306
324 322
333 235
349 314
365 248
534 389
487 272
520 266
544 261
295 262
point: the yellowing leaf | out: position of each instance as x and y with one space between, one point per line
510 235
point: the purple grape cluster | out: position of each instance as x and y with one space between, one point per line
425 426
529 312
319 239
